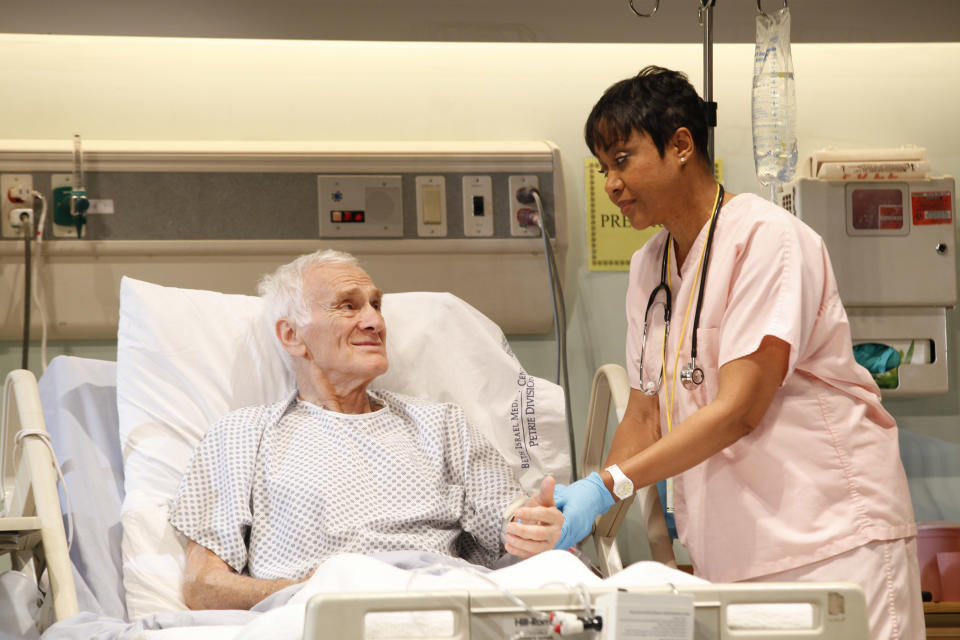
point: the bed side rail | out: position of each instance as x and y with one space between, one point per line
343 615
610 384
834 611
31 501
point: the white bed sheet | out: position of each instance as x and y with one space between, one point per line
79 400
284 614
358 574
352 573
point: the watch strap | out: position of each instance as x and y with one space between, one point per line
622 485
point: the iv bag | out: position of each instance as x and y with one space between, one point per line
774 100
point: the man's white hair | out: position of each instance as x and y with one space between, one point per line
282 290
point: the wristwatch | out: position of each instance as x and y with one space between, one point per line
622 485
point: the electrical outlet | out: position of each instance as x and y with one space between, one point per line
515 183
20 186
19 217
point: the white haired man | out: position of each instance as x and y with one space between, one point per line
274 490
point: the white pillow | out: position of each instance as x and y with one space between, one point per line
187 357
184 359
441 348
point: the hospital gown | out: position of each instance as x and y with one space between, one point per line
274 490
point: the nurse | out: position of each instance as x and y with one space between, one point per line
782 465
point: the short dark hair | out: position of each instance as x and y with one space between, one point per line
657 102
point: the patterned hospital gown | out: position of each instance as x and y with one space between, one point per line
274 490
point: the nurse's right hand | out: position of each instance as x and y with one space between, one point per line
581 503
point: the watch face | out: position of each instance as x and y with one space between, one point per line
623 489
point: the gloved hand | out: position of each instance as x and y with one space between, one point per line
581 503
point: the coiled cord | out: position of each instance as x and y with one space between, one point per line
559 315
25 224
37 294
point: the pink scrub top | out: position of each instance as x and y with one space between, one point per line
821 473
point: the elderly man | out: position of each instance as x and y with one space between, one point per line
272 491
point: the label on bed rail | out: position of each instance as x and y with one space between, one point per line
665 616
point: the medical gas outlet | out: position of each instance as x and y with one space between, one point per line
17 196
521 214
70 205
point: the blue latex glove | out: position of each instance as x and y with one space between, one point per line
876 358
580 503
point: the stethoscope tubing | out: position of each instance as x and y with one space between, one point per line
650 388
703 276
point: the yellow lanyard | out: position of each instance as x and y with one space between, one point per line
671 397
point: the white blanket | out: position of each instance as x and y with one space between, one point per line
351 573
356 573
282 615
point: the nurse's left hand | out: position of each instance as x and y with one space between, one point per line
536 525
581 503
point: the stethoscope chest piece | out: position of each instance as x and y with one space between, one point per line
691 376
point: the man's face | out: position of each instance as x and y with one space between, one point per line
346 335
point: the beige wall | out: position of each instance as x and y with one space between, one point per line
858 95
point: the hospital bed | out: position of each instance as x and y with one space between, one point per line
123 432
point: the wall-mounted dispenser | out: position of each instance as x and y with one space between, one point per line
889 228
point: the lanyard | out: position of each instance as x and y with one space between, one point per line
702 266
701 275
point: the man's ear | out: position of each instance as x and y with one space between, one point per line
290 338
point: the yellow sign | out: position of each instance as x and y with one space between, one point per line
611 240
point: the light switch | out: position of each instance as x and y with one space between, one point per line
477 206
431 206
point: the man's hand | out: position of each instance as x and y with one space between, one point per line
536 525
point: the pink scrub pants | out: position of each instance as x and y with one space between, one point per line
888 571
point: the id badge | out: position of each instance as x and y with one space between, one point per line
669 495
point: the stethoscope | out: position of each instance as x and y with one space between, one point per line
691 376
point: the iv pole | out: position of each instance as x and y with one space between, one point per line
705 18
